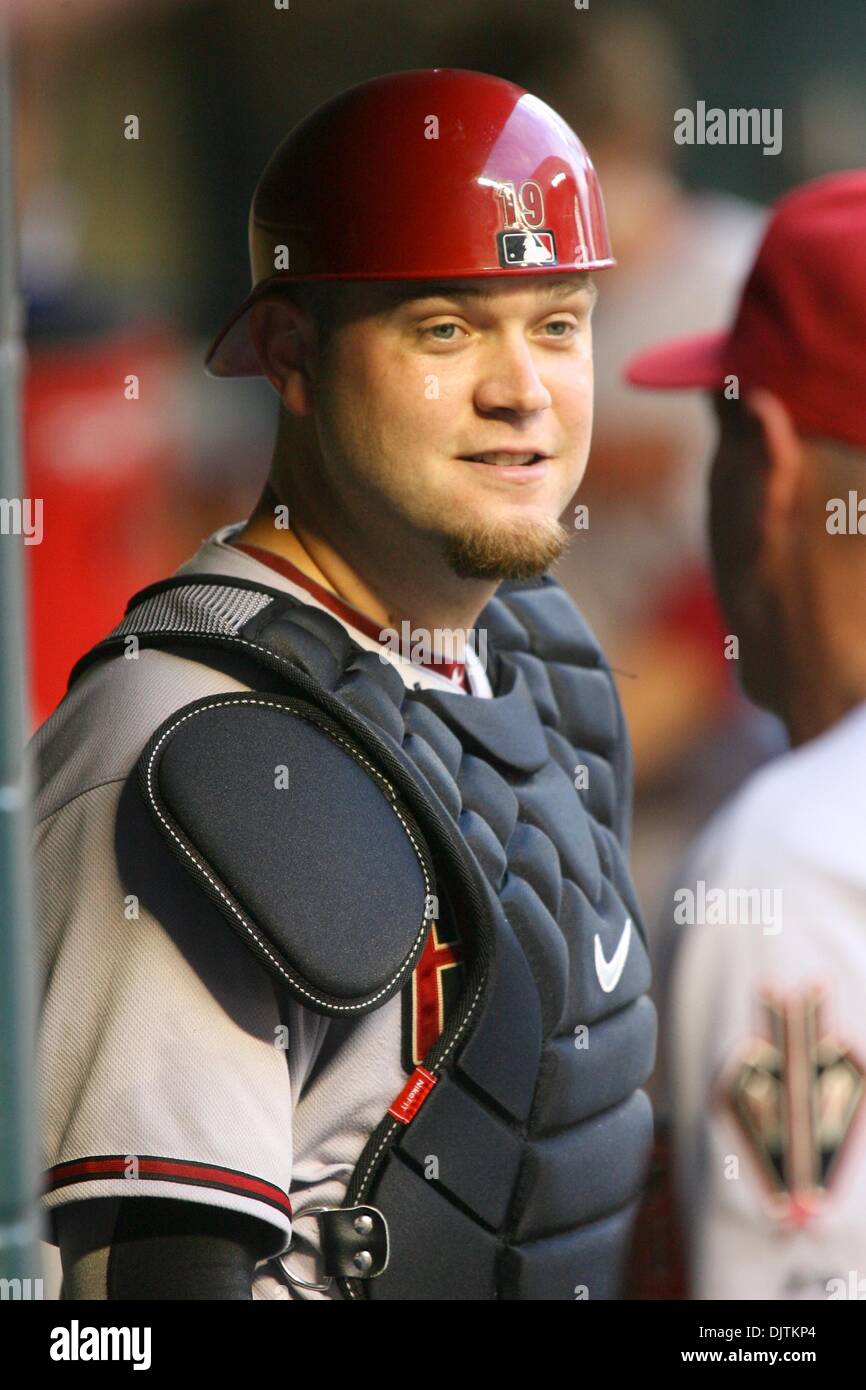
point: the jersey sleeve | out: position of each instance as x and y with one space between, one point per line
167 1063
764 1077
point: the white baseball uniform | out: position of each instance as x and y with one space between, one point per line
764 1029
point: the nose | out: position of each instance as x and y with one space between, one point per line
511 385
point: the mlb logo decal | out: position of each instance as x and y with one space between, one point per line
526 248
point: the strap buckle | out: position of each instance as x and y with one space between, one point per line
353 1243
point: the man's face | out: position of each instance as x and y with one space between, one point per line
409 387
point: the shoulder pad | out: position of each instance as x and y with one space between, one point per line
302 843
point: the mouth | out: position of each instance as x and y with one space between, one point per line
513 467
505 458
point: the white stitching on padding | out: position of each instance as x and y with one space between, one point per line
200 863
256 646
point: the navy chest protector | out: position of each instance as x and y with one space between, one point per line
332 815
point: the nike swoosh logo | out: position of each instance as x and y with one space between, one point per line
609 971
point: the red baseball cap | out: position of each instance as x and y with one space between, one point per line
800 328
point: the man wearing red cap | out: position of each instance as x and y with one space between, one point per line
347 985
765 1047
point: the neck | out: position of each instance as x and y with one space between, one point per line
816 708
827 670
388 592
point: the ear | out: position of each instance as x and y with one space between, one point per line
785 460
283 340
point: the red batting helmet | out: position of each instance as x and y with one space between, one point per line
437 173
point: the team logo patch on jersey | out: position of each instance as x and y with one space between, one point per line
795 1095
526 248
431 993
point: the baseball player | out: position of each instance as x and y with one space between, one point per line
345 986
765 1040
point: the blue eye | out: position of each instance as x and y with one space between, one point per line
560 323
437 326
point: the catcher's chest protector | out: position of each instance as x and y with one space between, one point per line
517 1174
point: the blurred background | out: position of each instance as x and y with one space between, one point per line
134 251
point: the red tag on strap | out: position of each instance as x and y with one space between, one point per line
413 1095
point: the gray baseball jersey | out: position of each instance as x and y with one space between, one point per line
166 1059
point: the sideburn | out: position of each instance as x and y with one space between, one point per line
752 611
